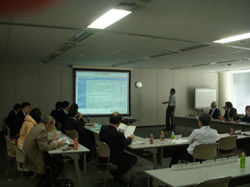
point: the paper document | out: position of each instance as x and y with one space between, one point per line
179 141
128 130
138 143
64 140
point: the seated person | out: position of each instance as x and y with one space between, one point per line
117 142
79 115
55 113
21 115
203 135
214 111
246 118
230 112
11 121
30 121
37 145
63 113
86 138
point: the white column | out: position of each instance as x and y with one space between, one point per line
225 88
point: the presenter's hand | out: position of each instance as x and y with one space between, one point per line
164 102
132 136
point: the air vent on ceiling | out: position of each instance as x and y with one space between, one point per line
199 65
226 61
134 4
164 54
75 40
54 55
177 68
193 47
82 36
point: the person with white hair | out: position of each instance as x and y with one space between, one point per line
214 112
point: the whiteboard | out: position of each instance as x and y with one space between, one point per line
204 97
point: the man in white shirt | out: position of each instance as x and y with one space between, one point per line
203 135
170 110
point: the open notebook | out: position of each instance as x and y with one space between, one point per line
127 129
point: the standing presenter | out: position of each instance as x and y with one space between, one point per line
170 110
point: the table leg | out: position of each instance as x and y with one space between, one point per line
84 163
77 170
154 155
159 155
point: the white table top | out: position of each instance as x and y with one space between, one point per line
187 176
218 121
143 143
81 148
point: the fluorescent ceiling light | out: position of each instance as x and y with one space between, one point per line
233 38
109 18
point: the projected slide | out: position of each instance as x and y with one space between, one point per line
102 92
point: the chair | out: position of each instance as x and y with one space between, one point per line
205 152
103 153
227 146
72 133
219 182
8 131
58 125
10 156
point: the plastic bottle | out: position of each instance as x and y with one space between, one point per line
75 144
172 135
162 136
231 132
151 140
242 160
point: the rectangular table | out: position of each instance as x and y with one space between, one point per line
220 126
158 146
74 155
201 173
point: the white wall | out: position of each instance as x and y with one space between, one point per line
156 86
42 85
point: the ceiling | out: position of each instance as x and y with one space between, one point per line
172 34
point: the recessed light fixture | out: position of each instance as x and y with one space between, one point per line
233 38
107 19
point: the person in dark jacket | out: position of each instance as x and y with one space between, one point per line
21 115
79 117
214 112
117 142
55 113
11 121
246 118
86 138
63 113
230 112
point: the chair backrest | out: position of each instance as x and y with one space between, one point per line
8 130
10 146
20 156
227 143
58 125
220 182
102 149
71 133
205 151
